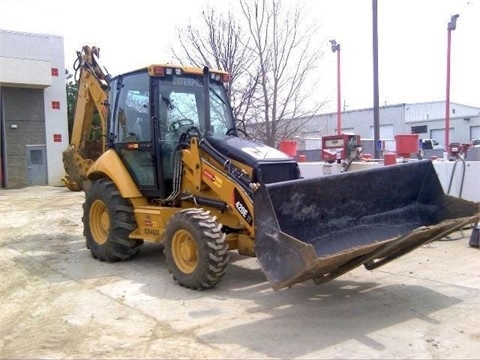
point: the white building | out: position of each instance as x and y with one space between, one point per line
33 109
425 119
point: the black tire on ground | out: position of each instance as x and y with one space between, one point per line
195 249
107 221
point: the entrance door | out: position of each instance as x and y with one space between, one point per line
37 165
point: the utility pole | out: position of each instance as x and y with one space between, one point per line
376 112
452 25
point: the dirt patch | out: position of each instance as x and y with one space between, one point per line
59 302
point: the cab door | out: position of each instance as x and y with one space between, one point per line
131 126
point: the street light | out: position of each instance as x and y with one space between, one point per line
452 25
336 48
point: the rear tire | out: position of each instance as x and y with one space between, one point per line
108 220
195 249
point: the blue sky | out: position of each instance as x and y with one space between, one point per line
412 41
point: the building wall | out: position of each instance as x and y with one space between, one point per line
436 110
460 128
359 122
56 122
33 96
395 120
24 125
391 119
25 59
431 116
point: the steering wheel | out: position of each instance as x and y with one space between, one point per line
177 124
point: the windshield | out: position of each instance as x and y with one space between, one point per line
181 104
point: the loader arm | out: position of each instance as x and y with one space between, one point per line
213 181
88 138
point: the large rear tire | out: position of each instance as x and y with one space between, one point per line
108 220
195 249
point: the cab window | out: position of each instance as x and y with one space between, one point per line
132 129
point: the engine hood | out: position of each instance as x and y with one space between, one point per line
269 165
247 151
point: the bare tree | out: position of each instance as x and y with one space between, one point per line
222 45
287 58
271 64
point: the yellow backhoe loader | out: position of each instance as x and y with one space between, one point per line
173 170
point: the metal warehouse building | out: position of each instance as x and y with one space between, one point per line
33 113
425 119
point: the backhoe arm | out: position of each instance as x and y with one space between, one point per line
88 134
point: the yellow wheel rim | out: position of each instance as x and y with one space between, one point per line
184 251
99 222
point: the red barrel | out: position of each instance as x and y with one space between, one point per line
289 147
367 157
389 158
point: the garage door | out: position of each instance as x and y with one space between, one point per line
386 132
475 132
439 135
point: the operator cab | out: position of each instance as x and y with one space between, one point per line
151 108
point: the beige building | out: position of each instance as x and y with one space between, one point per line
33 109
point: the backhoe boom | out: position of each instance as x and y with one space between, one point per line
88 134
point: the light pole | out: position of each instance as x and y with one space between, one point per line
452 25
336 48
376 105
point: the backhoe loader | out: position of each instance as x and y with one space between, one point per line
173 170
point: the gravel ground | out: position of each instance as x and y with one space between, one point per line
59 302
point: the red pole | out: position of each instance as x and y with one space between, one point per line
447 98
339 96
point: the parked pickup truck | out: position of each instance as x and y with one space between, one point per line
428 144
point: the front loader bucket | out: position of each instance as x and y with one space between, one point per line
321 228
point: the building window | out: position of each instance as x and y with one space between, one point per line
56 105
57 137
422 129
55 72
36 157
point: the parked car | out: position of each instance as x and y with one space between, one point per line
475 143
428 144
455 149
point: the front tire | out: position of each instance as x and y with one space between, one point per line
195 249
108 220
